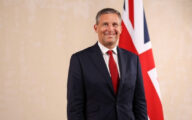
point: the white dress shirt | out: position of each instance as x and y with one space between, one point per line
104 51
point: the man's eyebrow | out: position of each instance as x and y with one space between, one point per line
105 22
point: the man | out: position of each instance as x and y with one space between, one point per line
105 81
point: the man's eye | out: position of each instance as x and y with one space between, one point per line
105 24
115 25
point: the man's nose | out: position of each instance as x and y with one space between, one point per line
110 27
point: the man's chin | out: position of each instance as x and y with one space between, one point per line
111 42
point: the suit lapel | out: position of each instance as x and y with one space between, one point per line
99 62
122 59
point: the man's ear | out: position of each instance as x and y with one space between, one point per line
95 27
121 28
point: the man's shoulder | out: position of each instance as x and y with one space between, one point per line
85 51
126 52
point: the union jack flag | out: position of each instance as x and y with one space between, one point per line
135 38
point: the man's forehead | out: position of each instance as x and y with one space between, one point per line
105 21
109 17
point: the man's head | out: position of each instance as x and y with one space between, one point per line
108 27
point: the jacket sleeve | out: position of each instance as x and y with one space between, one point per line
75 90
139 103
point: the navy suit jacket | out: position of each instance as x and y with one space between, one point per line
90 92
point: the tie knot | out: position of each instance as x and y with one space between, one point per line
109 52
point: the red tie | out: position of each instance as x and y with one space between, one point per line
113 70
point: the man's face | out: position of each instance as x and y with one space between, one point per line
108 29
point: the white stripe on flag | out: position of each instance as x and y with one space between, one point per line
127 21
153 75
139 28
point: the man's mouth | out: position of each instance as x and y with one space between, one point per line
110 34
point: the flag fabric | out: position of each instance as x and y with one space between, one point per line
135 38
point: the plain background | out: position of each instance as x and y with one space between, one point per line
38 37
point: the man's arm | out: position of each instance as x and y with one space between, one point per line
139 103
75 91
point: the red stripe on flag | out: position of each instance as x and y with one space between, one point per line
147 59
131 11
154 106
126 40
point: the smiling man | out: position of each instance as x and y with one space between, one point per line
108 27
105 81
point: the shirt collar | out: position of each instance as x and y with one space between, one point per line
104 49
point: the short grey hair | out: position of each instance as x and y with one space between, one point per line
107 11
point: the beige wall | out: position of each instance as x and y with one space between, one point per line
37 38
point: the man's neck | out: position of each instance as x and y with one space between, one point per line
110 47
